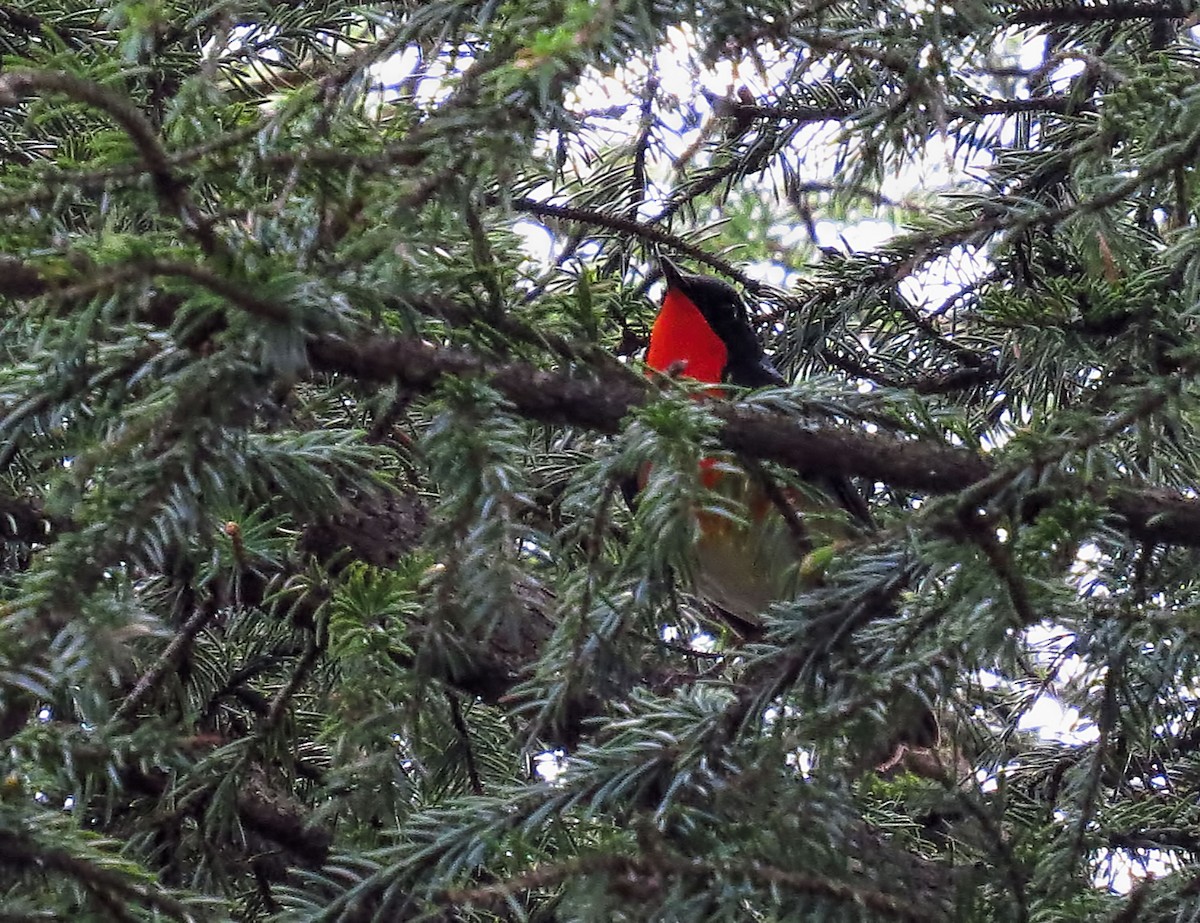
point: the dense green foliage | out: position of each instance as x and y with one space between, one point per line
320 597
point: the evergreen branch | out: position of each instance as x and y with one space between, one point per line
51 182
238 295
21 19
25 281
275 816
999 558
18 84
327 77
1106 727
997 841
922 246
23 854
1182 838
34 26
85 379
460 315
592 787
460 728
949 382
1052 105
649 870
409 152
891 59
1168 160
283 819
1080 13
706 184
641 146
312 652
412 151
1155 516
603 402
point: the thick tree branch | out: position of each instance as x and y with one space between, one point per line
1185 838
167 661
1157 516
271 814
602 401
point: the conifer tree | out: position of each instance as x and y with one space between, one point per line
320 389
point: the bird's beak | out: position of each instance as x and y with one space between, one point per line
672 273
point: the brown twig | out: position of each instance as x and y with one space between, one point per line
464 735
640 229
167 661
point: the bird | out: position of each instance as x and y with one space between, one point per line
703 332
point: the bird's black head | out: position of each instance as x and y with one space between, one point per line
724 311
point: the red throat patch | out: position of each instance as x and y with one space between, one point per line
681 334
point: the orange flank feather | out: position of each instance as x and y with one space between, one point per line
681 334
